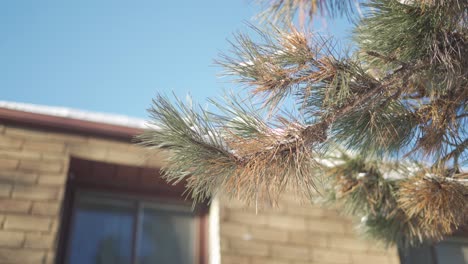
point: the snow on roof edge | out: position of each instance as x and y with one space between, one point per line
112 119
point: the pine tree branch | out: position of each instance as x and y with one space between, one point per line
402 91
286 10
458 150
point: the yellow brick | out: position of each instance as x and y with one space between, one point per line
370 259
44 208
44 146
224 244
36 193
21 256
249 248
53 180
348 243
234 259
308 238
10 143
50 257
268 210
290 252
30 223
67 138
8 164
334 214
35 134
394 259
289 198
233 203
269 234
233 230
326 226
260 260
5 190
223 214
156 159
125 157
306 211
11 238
55 224
350 227
286 222
380 248
41 166
87 151
55 157
238 216
111 144
17 132
330 256
19 154
18 176
14 206
39 241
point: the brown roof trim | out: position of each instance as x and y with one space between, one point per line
68 125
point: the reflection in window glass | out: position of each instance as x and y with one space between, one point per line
451 252
106 230
420 255
101 233
166 237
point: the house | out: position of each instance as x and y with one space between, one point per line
75 189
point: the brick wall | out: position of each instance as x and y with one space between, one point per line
294 233
33 171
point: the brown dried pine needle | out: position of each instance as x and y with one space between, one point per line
269 163
439 204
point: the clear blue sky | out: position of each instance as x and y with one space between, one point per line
115 55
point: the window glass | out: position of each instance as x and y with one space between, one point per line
420 255
108 230
101 233
452 252
167 236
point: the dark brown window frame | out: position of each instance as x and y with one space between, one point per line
86 175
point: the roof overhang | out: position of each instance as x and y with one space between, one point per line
62 124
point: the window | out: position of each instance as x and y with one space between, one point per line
113 230
452 251
118 214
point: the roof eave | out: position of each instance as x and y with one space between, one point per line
68 125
